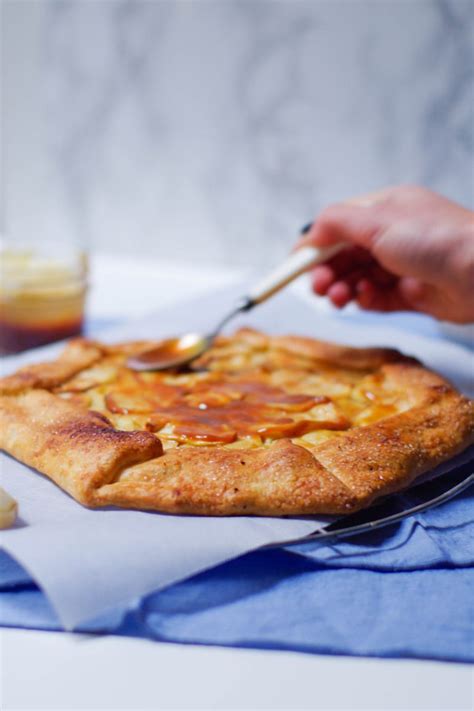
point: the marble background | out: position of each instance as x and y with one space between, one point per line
211 130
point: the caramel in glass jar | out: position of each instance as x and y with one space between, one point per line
41 297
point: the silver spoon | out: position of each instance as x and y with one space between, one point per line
176 352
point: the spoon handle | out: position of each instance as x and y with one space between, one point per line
297 263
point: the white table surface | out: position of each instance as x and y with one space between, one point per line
43 670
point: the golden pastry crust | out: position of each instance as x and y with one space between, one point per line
263 425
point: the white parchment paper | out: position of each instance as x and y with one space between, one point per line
89 562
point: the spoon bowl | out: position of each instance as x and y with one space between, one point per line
171 353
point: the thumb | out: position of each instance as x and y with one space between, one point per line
351 223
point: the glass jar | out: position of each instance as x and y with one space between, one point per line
42 295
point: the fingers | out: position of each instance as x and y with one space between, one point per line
341 293
339 289
322 278
405 294
373 297
366 294
401 295
429 298
419 295
352 275
343 266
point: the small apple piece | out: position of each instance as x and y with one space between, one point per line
8 509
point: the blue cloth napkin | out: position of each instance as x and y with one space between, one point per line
403 591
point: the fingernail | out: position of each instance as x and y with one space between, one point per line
363 201
369 200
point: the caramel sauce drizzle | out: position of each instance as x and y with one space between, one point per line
228 422
219 410
220 407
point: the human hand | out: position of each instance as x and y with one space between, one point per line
408 249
